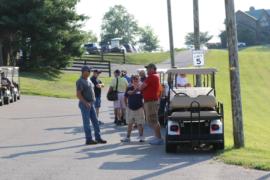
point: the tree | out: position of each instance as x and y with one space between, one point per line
91 37
223 39
118 23
204 38
148 39
47 32
246 35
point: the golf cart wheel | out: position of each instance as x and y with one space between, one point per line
14 98
218 146
170 148
6 100
1 101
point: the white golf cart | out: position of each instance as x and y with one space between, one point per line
195 118
10 84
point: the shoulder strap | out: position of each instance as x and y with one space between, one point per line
116 84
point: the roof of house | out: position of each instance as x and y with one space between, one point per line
257 13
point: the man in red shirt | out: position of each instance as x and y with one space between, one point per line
151 91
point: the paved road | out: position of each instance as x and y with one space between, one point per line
182 59
41 139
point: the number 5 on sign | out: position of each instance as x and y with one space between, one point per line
198 58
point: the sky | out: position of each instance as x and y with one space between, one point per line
154 13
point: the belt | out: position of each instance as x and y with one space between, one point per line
150 100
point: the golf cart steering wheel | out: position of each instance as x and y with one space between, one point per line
181 93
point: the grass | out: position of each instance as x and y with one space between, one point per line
136 58
255 85
62 86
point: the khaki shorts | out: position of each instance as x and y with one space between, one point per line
151 112
120 103
136 116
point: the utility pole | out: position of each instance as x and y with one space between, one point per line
197 35
238 132
171 33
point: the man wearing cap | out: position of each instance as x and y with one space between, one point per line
120 84
86 96
97 88
150 89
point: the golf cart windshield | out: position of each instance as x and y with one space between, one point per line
207 77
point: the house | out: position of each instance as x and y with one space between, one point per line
253 24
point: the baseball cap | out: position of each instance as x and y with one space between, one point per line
151 65
86 68
117 71
96 71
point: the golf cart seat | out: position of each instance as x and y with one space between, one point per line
184 102
187 115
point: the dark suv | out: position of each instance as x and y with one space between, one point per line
92 48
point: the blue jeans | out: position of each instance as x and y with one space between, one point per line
98 102
87 114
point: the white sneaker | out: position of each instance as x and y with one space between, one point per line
125 140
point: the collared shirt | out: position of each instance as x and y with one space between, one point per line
135 101
152 90
86 87
122 84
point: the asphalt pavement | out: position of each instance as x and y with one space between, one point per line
42 138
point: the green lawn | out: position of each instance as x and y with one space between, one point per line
137 58
62 86
255 85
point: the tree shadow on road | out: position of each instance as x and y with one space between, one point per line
142 156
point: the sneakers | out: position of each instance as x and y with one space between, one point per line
101 123
125 140
90 142
101 141
141 139
156 141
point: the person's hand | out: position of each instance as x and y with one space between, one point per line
88 105
130 92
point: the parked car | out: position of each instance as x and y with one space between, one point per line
195 118
106 48
92 48
120 49
129 48
241 44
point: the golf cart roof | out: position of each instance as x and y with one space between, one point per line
192 70
9 67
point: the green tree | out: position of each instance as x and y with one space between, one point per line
118 23
91 37
246 35
46 31
148 39
223 39
204 38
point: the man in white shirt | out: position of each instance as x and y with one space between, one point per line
182 81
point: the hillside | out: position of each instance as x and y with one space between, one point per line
255 85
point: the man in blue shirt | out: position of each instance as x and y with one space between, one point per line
135 111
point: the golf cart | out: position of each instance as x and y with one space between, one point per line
1 92
194 116
16 83
7 87
163 95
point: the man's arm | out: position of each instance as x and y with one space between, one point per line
80 97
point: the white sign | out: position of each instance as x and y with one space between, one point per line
198 58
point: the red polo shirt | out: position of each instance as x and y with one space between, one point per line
151 92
